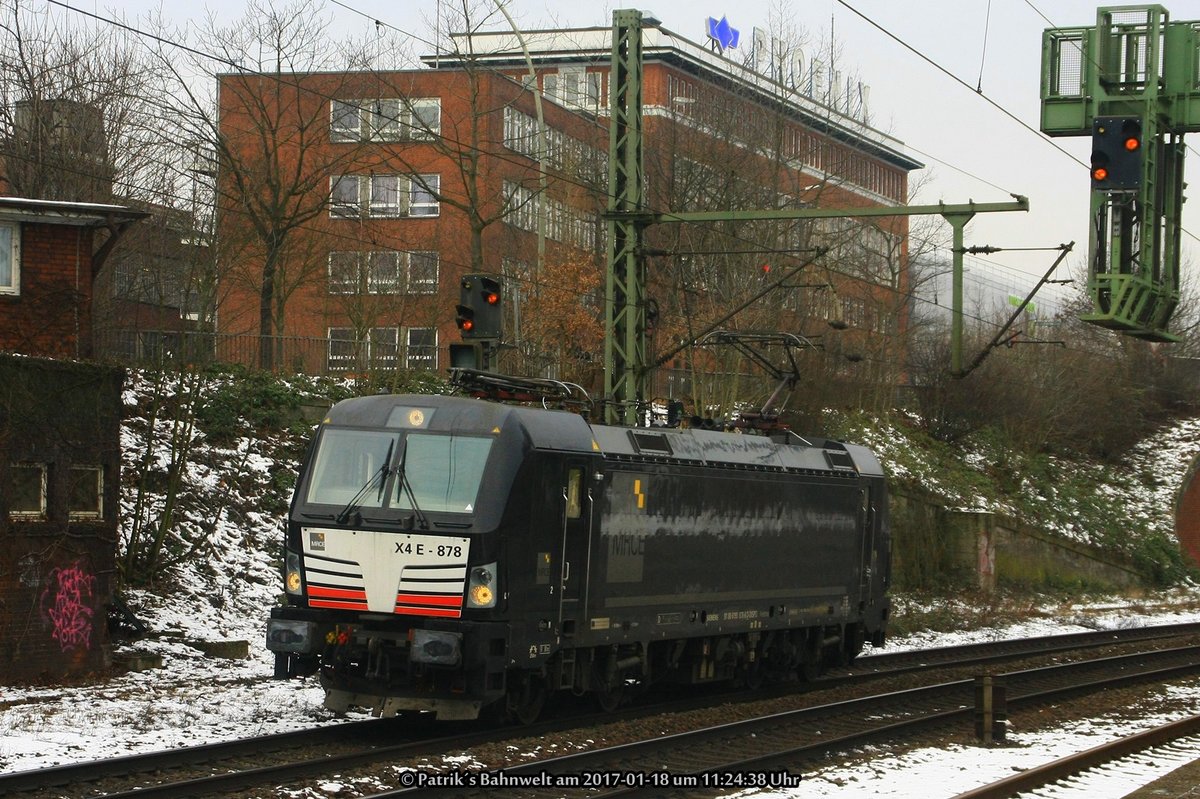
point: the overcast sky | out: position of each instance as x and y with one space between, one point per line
973 150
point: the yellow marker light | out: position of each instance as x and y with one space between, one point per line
481 595
293 582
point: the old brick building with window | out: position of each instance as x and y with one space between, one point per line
411 179
48 266
60 468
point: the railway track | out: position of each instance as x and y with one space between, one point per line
775 750
218 769
1133 753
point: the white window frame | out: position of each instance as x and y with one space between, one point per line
342 360
572 89
424 268
384 271
27 513
595 90
75 514
10 284
420 355
423 202
343 276
425 118
386 119
383 346
341 133
386 201
341 208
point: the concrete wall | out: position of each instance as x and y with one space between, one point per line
935 547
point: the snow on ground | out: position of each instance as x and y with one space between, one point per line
197 699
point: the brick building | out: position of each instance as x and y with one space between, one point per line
49 259
60 464
416 177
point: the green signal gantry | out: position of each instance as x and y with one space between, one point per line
1131 82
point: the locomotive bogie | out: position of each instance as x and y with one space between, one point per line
456 556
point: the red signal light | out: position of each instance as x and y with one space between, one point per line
1099 173
466 324
491 297
1132 143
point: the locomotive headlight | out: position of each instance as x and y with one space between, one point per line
482 597
481 589
291 577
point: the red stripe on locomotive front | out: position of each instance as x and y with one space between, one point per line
337 593
429 599
452 613
332 603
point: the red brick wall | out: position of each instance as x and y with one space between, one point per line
57 572
311 309
1187 517
52 314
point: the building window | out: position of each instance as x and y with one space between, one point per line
10 259
422 272
426 119
343 273
345 120
575 88
344 200
85 499
383 272
385 119
343 348
423 200
383 196
27 500
422 348
383 346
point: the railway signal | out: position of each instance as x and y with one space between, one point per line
1116 153
479 313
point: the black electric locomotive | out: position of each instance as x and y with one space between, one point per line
458 556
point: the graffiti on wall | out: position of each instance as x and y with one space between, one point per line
67 604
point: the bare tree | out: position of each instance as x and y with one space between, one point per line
268 125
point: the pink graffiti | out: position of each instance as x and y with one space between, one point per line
67 601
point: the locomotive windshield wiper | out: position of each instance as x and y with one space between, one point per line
408 491
380 474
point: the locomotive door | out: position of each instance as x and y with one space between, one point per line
866 558
576 520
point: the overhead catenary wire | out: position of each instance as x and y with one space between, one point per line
241 69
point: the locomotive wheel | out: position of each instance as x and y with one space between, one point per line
856 638
810 658
525 703
609 697
752 675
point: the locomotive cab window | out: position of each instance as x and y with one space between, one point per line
443 472
411 471
348 460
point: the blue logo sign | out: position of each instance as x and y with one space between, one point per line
723 33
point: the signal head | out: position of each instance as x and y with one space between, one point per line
1117 163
